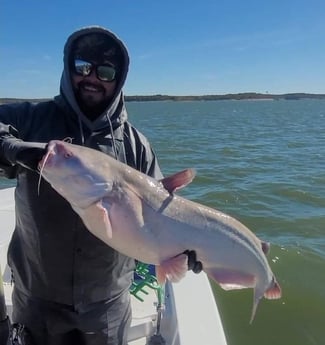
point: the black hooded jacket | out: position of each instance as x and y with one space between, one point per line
52 255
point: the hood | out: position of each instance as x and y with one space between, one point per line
115 110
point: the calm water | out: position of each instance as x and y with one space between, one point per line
264 163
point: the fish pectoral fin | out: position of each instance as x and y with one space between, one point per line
161 275
173 269
230 279
96 220
178 180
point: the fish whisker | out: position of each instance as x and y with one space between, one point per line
41 170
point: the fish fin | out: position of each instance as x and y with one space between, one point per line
265 247
173 269
96 220
257 298
274 291
230 280
178 180
161 275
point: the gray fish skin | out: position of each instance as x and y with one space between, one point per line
143 218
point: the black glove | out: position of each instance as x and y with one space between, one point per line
193 264
26 154
30 155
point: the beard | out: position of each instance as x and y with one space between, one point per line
91 104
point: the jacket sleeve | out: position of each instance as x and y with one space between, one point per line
139 153
6 131
152 165
9 134
147 161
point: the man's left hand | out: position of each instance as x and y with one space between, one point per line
193 264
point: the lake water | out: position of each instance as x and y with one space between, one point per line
264 163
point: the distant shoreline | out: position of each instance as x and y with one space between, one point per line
231 96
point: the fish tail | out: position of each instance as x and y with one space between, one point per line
274 291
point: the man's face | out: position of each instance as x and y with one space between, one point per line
91 92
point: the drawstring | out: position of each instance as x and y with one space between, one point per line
113 141
112 134
81 131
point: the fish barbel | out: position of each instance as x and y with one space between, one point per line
144 219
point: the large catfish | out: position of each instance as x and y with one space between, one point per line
143 218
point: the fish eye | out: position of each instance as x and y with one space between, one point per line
68 155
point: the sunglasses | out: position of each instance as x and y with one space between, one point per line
104 72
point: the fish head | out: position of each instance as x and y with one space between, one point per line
72 173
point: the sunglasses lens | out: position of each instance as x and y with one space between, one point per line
106 73
82 67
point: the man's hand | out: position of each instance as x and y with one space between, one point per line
26 154
193 264
30 155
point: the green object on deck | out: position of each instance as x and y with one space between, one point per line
146 280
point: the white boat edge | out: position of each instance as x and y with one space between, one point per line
190 314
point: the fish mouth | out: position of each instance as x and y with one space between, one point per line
56 150
46 160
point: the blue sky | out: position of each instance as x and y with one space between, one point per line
176 47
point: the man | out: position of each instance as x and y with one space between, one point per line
70 287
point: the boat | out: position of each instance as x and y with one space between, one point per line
183 313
